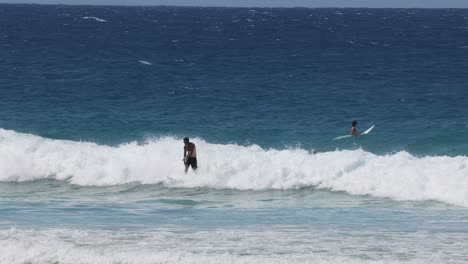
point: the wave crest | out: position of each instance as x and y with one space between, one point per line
401 176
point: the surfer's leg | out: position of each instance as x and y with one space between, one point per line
194 163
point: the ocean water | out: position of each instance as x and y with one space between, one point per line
95 102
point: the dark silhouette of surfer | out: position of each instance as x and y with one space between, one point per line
190 155
353 129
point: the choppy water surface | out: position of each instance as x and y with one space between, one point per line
95 102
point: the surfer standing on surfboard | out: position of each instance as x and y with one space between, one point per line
353 129
190 155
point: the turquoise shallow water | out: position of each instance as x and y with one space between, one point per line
184 225
95 102
190 225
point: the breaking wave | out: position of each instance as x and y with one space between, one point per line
400 176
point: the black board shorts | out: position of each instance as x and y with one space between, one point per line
192 162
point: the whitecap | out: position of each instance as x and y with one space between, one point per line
95 18
400 176
145 62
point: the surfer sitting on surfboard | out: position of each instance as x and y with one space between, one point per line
190 155
353 129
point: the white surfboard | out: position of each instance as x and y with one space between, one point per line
341 137
368 130
363 133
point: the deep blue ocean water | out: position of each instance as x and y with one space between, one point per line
95 102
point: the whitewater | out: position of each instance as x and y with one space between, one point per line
399 176
72 246
96 101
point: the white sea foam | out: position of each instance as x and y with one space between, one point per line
95 18
401 176
145 62
217 246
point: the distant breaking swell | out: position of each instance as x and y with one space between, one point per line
400 176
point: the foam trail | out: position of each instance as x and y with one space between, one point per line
95 18
145 62
401 176
87 246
